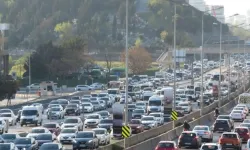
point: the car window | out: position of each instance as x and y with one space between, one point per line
229 136
188 135
165 145
210 147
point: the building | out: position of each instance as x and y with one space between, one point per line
198 4
218 12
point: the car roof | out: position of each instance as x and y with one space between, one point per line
229 133
99 129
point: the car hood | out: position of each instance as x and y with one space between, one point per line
23 145
67 134
91 120
143 122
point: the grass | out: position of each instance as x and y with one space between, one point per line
120 64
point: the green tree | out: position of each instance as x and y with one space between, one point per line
64 29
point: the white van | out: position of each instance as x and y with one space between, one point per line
155 104
31 115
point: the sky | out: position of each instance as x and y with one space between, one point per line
232 6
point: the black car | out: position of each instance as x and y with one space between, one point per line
189 139
44 138
51 146
27 143
72 109
228 118
221 125
106 123
85 140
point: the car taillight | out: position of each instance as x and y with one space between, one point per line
206 132
156 148
195 138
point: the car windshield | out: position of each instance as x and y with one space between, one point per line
23 141
135 121
5 111
166 145
201 128
183 104
55 109
154 103
71 121
68 131
5 146
245 124
93 117
49 125
189 92
188 135
63 102
112 92
210 147
138 111
237 112
85 135
95 103
106 121
223 117
44 137
29 112
155 115
99 132
131 106
9 136
103 113
54 102
49 147
246 121
5 115
38 131
102 95
147 118
75 98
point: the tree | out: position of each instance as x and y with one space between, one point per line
18 66
138 42
64 29
8 86
108 63
139 60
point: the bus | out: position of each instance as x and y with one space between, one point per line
244 98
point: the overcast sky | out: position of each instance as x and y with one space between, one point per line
232 6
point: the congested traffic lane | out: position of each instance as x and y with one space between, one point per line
216 136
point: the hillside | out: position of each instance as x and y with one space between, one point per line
101 22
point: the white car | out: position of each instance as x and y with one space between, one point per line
83 88
204 132
186 106
39 106
237 115
148 122
141 104
122 100
4 127
92 120
159 118
36 131
88 107
67 135
34 86
241 109
103 136
6 111
213 146
73 122
243 106
10 117
97 86
56 113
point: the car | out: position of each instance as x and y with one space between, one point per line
8 146
83 88
45 138
204 132
50 146
97 105
246 121
210 146
85 139
243 106
4 127
107 100
243 133
104 114
73 122
52 105
63 102
39 106
85 100
36 131
9 137
106 123
72 109
159 118
148 122
53 127
238 115
103 104
186 106
228 118
102 135
136 126
138 113
221 125
27 143
166 145
34 86
67 135
56 113
88 107
97 86
245 125
92 120
122 99
189 139
131 107
10 117
230 140
241 109
141 104
78 102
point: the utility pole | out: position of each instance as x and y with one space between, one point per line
202 86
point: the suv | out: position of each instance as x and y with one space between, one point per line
243 133
221 125
231 122
230 140
190 139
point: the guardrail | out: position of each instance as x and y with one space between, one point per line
153 133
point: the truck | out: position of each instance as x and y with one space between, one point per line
167 94
244 98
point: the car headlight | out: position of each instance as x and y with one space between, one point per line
35 118
90 141
74 141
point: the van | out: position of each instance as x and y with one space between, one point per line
155 104
31 115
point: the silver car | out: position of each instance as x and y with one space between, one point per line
67 135
204 132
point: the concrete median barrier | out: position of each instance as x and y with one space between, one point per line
147 139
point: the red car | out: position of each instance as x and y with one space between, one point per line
136 126
166 145
243 133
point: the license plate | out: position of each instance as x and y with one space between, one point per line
28 122
220 128
229 144
82 145
187 143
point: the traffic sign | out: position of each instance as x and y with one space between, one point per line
126 131
174 115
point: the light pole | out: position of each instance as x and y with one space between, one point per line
173 103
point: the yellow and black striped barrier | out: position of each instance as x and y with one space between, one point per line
126 131
174 115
